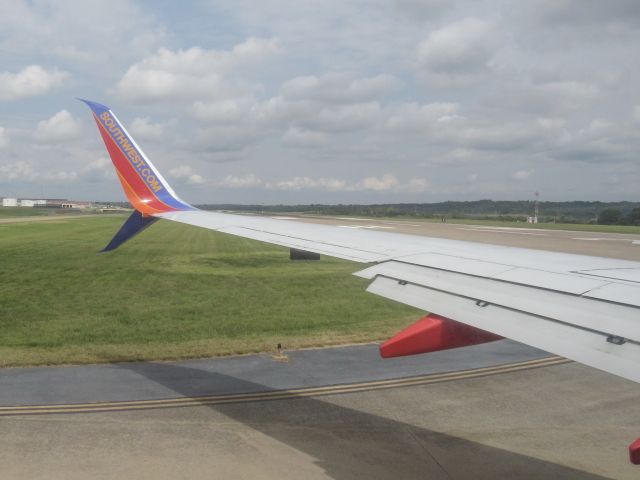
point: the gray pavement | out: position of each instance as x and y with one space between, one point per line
238 375
544 423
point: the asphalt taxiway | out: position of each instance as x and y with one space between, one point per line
499 410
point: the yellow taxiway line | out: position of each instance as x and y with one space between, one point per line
278 394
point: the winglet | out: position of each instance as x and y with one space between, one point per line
145 187
133 226
96 107
147 190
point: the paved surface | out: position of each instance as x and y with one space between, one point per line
560 422
565 421
240 375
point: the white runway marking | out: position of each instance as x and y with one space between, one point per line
606 239
484 227
502 231
370 227
404 224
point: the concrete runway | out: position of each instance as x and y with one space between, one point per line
500 410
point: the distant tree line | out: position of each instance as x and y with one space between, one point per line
614 216
606 213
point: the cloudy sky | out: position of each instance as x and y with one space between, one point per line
326 101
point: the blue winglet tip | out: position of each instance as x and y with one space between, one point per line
131 227
95 106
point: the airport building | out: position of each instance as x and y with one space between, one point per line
44 202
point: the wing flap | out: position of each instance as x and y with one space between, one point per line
456 263
617 292
561 282
585 346
575 310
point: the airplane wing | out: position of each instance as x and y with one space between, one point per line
583 308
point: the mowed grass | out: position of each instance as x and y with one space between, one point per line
172 292
12 212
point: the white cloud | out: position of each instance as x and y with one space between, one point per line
577 13
518 91
254 47
61 126
32 81
144 129
297 137
385 183
223 111
458 52
97 171
4 138
247 181
422 10
186 174
343 118
19 170
195 179
87 33
339 87
416 185
223 138
414 117
61 176
181 172
192 74
306 183
521 175
488 136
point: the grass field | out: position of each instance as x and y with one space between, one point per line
11 212
173 292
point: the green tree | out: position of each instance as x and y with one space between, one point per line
634 217
609 216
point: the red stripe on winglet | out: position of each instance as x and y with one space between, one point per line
128 173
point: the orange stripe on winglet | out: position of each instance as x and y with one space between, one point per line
139 204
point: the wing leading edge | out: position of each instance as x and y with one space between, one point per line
584 308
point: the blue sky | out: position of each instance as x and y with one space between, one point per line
327 101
